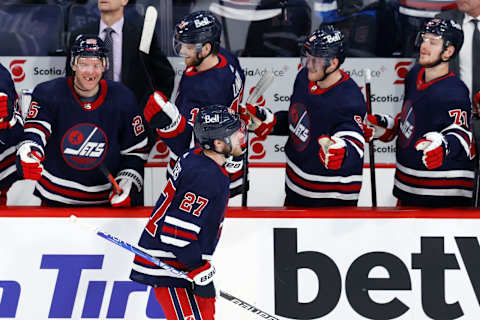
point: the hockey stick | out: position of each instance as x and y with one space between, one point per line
110 178
373 184
260 87
146 39
169 268
475 125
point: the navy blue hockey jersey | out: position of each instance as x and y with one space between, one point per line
441 105
78 138
222 84
335 111
9 137
185 225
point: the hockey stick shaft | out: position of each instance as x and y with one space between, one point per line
110 178
123 244
260 87
475 125
245 174
146 39
370 144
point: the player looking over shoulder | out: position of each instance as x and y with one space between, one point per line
325 146
186 223
11 131
77 127
434 167
212 76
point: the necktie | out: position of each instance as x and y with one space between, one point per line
475 59
108 75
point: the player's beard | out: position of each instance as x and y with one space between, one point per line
436 62
194 61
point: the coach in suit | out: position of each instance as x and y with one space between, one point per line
127 66
467 63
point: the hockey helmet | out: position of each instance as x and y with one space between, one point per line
215 122
326 42
198 28
449 30
89 45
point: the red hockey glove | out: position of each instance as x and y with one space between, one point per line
3 105
476 104
382 127
435 149
28 161
130 183
202 275
158 106
260 120
332 151
5 111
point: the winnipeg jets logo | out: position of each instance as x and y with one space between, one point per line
407 124
299 126
84 146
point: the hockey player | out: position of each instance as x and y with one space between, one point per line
212 76
434 168
325 146
78 127
186 223
11 131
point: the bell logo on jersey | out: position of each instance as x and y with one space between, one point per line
299 126
84 146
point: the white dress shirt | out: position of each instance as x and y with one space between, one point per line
465 55
117 46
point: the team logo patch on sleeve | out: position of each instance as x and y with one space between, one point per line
84 146
299 126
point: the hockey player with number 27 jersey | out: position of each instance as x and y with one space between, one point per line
185 225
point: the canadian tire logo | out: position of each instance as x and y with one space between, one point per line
16 69
401 68
257 148
161 151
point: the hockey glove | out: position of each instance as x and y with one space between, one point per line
434 147
157 108
3 105
28 161
476 104
130 184
234 164
379 126
6 109
260 120
332 151
202 275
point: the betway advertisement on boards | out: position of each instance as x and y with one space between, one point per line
292 264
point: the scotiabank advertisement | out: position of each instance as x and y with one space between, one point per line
290 264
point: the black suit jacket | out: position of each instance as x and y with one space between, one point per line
134 74
457 16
